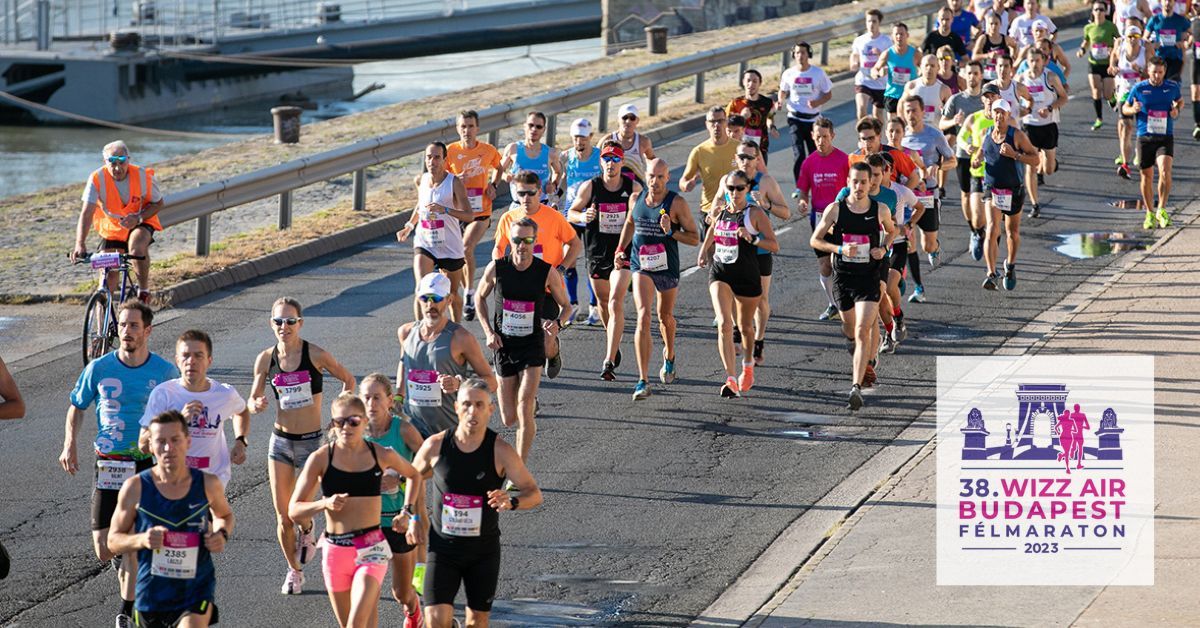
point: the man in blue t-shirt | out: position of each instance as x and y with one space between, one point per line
1171 32
119 383
1156 103
963 23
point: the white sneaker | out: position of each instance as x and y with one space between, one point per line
293 583
306 545
125 621
593 318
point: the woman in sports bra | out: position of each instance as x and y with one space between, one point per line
991 44
349 471
295 371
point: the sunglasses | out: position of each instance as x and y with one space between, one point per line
118 159
280 321
736 188
612 159
628 118
526 240
430 298
526 193
535 126
353 420
745 157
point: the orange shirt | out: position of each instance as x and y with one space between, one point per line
474 167
903 163
554 232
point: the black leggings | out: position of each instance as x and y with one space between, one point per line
803 144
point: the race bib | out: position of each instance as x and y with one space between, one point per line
1156 122
111 474
517 318
424 389
1040 95
372 549
537 250
432 232
870 56
177 558
1166 37
103 261
803 86
294 390
901 76
726 240
754 135
1128 78
862 250
931 114
989 71
1100 51
462 515
198 462
652 257
1002 199
475 199
611 217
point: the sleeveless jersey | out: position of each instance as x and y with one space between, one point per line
861 230
392 502
424 363
519 295
180 575
440 234
652 251
461 516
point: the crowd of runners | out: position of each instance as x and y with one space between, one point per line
406 475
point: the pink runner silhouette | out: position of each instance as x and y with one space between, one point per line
1072 427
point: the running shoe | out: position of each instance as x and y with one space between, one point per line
1010 276
125 621
593 317
1148 223
306 545
469 308
1117 160
976 246
1097 124
617 362
941 194
581 315
900 331
869 377
554 365
607 373
1123 172
758 352
1196 132
856 398
989 282
933 259
737 337
1036 210
293 583
746 380
829 313
918 295
144 296
1164 219
415 620
641 390
730 389
1041 179
888 345
666 374
716 322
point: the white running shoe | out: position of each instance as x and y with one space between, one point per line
293 583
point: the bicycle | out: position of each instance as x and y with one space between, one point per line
100 313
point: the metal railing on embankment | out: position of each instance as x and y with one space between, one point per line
201 202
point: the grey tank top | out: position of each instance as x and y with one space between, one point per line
424 364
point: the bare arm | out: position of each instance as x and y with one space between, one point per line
507 158
828 219
473 354
776 202
13 406
257 401
486 284
462 207
322 359
511 466
69 459
222 514
302 508
681 214
558 290
574 249
576 213
1029 154
766 234
121 537
82 228
647 148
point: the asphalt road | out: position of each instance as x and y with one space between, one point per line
651 508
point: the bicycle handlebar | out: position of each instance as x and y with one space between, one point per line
86 257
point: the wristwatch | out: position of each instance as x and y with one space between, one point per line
407 510
514 502
242 439
223 533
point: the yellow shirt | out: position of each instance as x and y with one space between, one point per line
711 162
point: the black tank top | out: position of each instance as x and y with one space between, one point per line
352 483
601 235
315 378
518 301
861 229
461 481
735 261
988 46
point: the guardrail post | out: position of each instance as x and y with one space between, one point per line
928 23
494 137
742 67
203 235
551 129
700 87
360 189
285 210
785 59
653 100
825 52
603 116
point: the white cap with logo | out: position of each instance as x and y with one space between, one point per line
628 110
434 283
581 127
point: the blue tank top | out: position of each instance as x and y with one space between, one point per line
181 574
578 173
907 71
661 251
999 171
539 165
393 502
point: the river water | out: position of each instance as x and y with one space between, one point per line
36 157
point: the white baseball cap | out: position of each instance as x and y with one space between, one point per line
581 127
434 283
626 110
1002 105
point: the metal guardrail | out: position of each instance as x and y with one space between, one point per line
200 202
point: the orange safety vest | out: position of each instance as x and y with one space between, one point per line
110 209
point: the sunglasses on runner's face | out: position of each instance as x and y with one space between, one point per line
280 321
867 138
118 159
628 118
745 157
525 240
534 125
353 420
736 188
612 159
526 192
431 298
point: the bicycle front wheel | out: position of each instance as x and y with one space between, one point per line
96 338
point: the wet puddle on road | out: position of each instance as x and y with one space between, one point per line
1098 244
525 612
7 322
950 333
